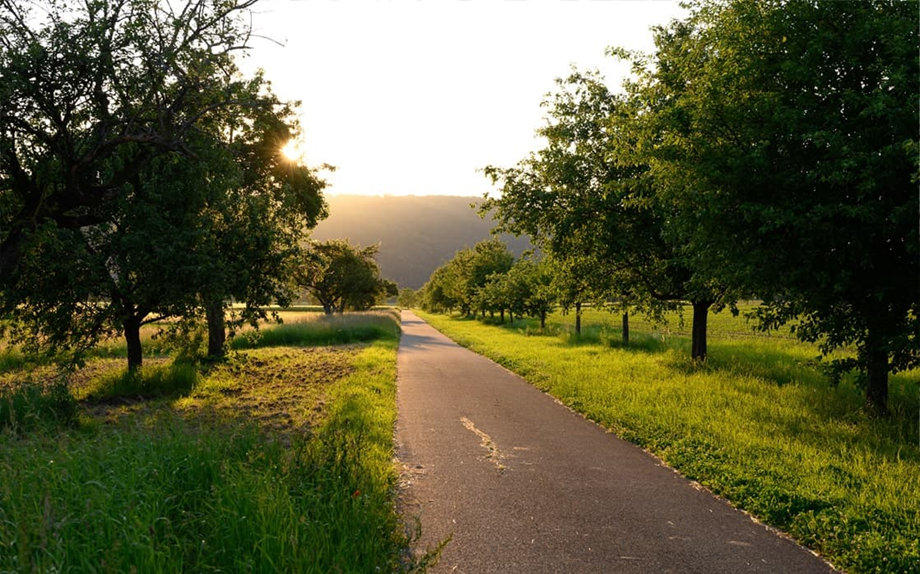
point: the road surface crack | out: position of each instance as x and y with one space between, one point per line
495 456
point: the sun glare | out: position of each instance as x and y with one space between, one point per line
291 151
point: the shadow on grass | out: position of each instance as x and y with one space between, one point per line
172 381
837 414
775 365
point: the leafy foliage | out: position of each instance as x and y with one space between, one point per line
785 136
457 283
140 174
595 211
340 275
768 149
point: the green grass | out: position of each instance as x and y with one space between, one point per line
150 381
29 405
318 329
757 424
279 460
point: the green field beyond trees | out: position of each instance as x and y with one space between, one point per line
756 423
278 460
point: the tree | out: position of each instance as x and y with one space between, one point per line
576 281
588 197
456 283
340 275
256 227
138 171
784 134
434 293
532 288
91 94
407 298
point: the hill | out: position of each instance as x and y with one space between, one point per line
416 233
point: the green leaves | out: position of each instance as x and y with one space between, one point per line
140 173
784 126
339 275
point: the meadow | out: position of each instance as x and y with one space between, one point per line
277 459
758 423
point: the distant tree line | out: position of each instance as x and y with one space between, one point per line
766 149
486 279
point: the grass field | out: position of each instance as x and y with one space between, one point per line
278 460
757 423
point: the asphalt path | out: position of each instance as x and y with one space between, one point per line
522 484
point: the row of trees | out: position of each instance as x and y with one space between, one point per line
487 279
768 149
141 178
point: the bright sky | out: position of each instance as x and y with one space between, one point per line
414 96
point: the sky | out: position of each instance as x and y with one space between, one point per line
413 97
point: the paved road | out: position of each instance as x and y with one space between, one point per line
522 484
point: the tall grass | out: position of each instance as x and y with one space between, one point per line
314 329
150 381
757 423
169 491
28 406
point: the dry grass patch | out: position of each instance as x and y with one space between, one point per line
282 390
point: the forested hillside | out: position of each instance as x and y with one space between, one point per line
416 233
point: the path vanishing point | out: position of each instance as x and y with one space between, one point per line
522 484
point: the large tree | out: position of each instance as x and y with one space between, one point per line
91 93
255 228
784 133
584 197
139 176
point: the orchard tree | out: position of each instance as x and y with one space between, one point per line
531 286
138 170
408 298
784 134
583 197
434 294
340 275
456 284
255 228
92 92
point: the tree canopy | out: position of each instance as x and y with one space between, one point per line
767 148
341 275
594 208
784 133
140 174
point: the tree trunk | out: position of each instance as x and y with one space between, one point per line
876 374
11 251
626 328
511 316
543 321
217 328
132 329
700 316
502 315
578 318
